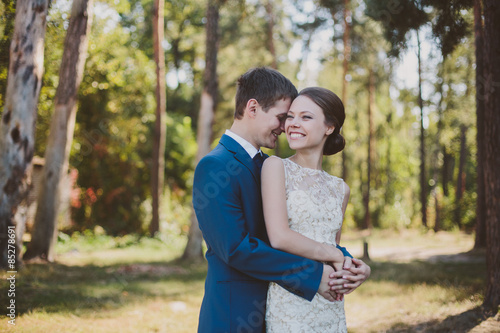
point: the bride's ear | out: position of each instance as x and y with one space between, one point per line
330 130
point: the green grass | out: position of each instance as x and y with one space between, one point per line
127 284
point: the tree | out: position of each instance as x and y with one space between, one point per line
158 164
436 193
480 238
492 151
270 45
17 129
371 148
345 66
335 6
423 182
61 132
206 116
270 33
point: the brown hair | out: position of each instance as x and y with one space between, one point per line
333 109
265 85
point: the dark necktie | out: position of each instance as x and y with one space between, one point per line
258 160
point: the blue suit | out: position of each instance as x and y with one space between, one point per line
228 204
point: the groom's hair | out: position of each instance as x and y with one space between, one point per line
265 85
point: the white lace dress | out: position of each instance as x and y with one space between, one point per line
314 203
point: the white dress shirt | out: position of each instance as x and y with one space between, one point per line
249 148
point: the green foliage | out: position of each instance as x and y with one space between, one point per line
450 24
397 18
7 16
112 147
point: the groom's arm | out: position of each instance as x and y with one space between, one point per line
219 210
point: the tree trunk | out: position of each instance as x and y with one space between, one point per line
158 165
272 50
460 177
193 250
17 129
270 33
389 192
61 132
345 66
480 240
371 137
492 152
423 186
435 191
447 162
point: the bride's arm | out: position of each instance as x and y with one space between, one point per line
347 260
353 276
276 218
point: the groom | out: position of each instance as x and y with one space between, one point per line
228 205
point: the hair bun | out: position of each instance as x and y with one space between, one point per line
334 143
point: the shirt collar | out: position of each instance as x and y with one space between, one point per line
249 148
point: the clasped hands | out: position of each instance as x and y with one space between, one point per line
335 284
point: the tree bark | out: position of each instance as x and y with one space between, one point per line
345 66
272 50
492 152
61 132
270 33
439 148
371 146
423 185
447 164
158 165
193 250
460 177
17 128
480 239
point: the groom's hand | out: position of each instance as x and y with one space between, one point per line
347 280
324 286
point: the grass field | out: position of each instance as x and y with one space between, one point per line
419 283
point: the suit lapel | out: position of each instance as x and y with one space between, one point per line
241 155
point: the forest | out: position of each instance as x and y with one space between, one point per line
107 106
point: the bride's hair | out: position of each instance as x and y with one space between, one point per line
333 109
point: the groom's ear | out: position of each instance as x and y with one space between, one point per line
251 108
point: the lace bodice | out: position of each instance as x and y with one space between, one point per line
314 204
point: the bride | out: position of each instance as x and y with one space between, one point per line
304 208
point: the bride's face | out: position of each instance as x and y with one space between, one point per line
305 125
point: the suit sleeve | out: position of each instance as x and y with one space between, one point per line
344 251
218 207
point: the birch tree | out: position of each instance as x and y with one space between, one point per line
17 128
61 131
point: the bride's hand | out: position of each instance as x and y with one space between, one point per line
347 280
347 263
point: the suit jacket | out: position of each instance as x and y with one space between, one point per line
228 204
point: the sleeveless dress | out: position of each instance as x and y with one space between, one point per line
314 203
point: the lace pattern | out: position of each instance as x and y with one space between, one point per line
314 204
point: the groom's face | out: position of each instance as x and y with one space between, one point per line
271 123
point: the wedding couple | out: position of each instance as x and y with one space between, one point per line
272 229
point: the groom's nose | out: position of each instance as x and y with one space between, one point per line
282 126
